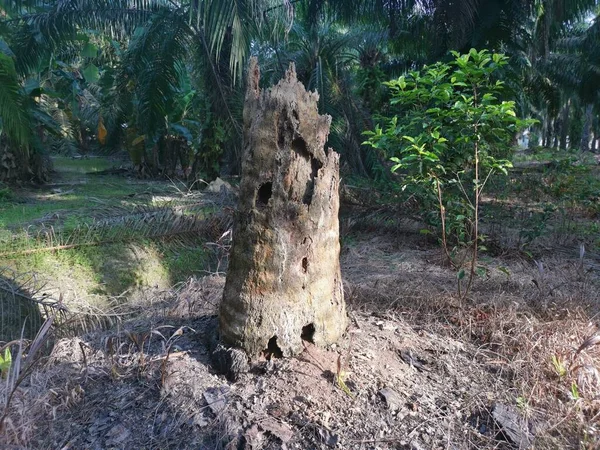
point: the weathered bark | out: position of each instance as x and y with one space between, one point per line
284 282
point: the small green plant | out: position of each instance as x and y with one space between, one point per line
559 366
340 378
450 133
340 373
575 391
5 363
523 404
505 271
536 225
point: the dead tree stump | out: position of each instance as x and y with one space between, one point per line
284 282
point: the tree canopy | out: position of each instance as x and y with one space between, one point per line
136 74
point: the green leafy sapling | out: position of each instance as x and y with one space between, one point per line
451 131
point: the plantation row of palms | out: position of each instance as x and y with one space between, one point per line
163 79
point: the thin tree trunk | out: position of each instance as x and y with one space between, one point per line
544 131
284 282
564 125
587 128
548 133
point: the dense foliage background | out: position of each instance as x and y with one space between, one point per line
163 79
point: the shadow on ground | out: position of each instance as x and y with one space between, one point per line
19 312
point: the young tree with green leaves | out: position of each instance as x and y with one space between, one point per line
450 132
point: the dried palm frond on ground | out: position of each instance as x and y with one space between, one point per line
19 358
158 223
24 306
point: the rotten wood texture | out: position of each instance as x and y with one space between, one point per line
284 282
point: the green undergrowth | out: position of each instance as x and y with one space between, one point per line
95 238
553 202
561 178
77 197
82 166
113 269
560 184
556 155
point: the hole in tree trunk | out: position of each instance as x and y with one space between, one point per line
299 146
273 350
304 264
308 333
265 191
315 165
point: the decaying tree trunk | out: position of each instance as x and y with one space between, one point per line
284 282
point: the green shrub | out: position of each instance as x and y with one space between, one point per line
449 133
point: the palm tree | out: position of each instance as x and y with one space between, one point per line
536 73
207 41
13 115
193 51
579 62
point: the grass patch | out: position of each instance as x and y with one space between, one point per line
82 165
99 236
183 262
79 196
104 270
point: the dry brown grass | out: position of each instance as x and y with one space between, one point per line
530 326
139 352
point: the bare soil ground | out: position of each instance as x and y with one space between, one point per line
422 369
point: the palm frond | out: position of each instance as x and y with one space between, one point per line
229 25
153 63
576 63
363 11
46 27
15 120
172 220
